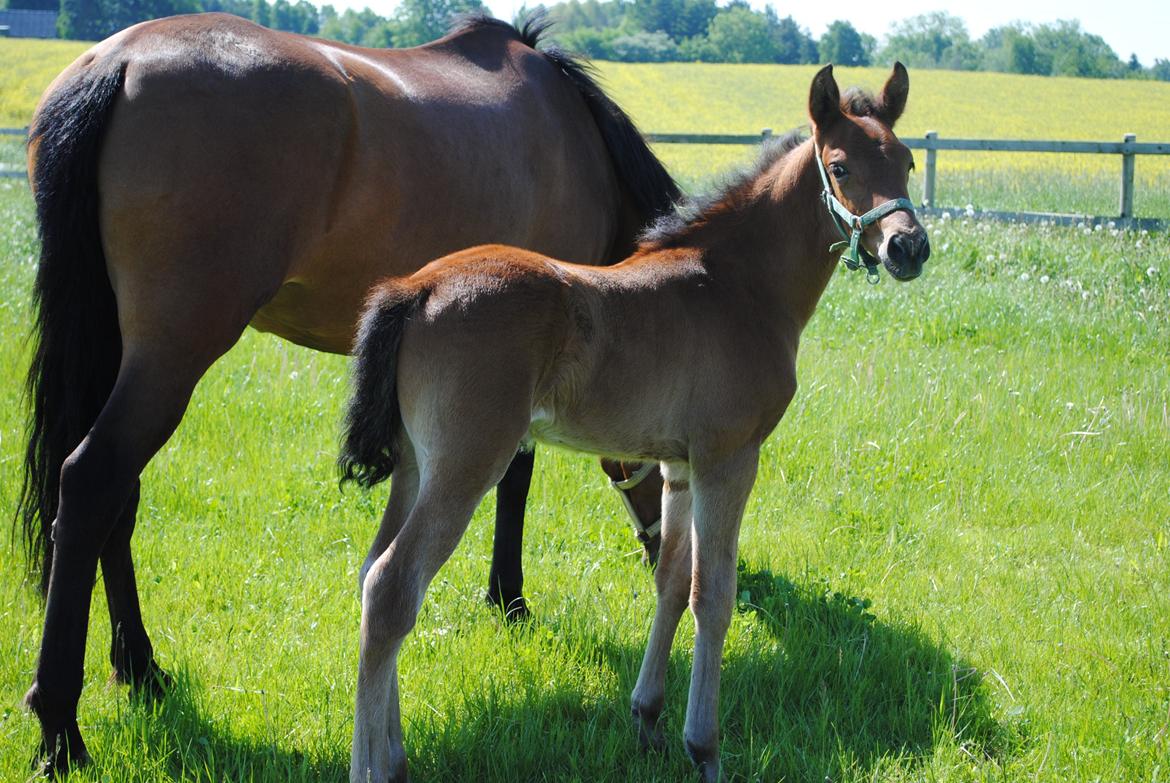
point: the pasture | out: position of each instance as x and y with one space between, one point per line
956 561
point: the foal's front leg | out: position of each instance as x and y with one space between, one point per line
721 491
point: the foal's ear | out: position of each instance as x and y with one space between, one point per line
824 100
892 101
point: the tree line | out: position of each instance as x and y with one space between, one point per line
662 31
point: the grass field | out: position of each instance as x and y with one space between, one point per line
956 561
714 98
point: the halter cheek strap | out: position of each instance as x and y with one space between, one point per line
843 219
643 532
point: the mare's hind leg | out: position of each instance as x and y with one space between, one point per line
506 578
131 653
98 482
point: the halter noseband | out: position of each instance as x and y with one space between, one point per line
844 219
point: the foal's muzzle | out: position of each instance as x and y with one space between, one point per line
905 254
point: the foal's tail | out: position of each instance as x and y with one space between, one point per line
76 342
370 449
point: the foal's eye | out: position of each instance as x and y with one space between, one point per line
838 171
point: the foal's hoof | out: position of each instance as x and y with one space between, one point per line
706 761
650 738
515 609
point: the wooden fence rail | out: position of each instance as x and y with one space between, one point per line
1128 148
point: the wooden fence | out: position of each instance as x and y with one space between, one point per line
1128 148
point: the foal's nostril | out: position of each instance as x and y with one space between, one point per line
924 250
901 249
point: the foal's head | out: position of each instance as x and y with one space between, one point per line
867 166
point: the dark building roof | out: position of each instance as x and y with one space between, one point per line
22 23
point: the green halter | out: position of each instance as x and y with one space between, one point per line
844 219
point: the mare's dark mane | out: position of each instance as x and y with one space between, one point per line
643 176
692 213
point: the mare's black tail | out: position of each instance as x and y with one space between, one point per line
77 345
370 449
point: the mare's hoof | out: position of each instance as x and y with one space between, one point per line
650 548
62 748
151 686
515 609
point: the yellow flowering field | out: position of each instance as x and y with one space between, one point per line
726 98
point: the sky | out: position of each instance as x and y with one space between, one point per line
1140 27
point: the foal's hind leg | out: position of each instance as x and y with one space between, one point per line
506 578
403 494
392 595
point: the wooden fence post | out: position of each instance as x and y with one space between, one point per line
928 176
1127 167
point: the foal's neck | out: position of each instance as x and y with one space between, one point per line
776 246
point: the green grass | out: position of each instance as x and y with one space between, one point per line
956 558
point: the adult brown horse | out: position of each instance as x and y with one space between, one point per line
719 302
195 175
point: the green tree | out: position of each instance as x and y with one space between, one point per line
740 35
420 21
644 47
79 20
793 43
261 12
842 44
593 42
935 40
1077 53
677 18
1011 49
1160 70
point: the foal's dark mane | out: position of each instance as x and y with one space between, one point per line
738 188
643 176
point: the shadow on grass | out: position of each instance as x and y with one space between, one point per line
172 739
814 687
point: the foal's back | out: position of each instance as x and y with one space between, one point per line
636 360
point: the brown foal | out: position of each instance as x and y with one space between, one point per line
494 346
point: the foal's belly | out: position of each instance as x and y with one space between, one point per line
613 433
